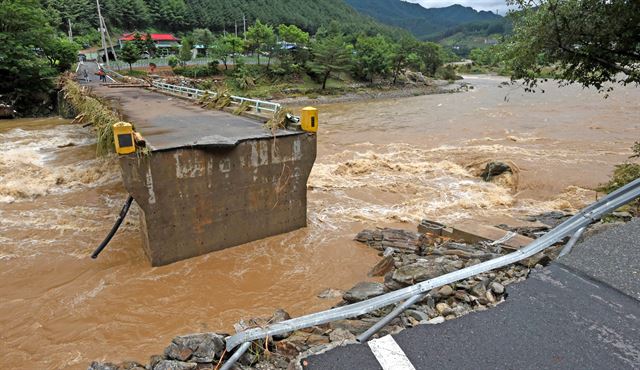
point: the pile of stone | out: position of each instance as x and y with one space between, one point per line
407 258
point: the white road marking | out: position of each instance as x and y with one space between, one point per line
389 354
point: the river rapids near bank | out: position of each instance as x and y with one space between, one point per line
380 163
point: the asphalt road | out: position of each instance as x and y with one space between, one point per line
612 256
559 318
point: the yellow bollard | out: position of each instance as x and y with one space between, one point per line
123 138
309 119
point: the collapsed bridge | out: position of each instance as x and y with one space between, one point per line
211 179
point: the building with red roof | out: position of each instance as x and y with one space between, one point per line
165 43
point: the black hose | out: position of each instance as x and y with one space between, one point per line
116 226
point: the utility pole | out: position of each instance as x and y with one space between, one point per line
109 37
236 23
104 42
70 31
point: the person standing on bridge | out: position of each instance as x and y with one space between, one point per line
102 75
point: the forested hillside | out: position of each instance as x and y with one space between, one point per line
433 23
216 15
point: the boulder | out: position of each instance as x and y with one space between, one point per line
278 316
363 290
495 169
174 365
497 287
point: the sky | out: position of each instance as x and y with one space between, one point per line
492 5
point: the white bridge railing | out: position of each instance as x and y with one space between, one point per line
188 92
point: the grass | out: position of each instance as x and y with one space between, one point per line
94 111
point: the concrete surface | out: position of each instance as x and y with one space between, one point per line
168 122
557 319
612 256
196 201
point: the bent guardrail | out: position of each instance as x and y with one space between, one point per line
583 218
191 93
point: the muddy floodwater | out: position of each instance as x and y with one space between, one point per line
380 163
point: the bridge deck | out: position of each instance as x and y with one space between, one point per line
168 122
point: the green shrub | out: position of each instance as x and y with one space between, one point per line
173 61
196 71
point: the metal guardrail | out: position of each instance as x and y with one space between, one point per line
191 93
582 219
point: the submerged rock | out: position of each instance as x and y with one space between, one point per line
495 169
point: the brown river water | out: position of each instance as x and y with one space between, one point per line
380 163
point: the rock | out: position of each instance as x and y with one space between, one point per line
416 78
300 341
450 317
436 320
422 270
445 291
174 365
480 289
102 366
278 316
391 284
341 335
495 169
443 309
265 365
356 327
330 293
461 309
490 296
362 291
153 360
131 365
381 239
497 287
418 315
205 347
382 267
461 295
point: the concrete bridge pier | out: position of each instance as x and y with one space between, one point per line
196 200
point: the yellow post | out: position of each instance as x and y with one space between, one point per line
123 138
309 119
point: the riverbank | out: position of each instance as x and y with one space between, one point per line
407 258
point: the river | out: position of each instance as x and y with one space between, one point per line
380 163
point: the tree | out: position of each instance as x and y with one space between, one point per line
293 35
330 55
202 36
403 55
372 57
130 54
228 45
589 42
294 51
185 51
31 54
430 55
260 38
